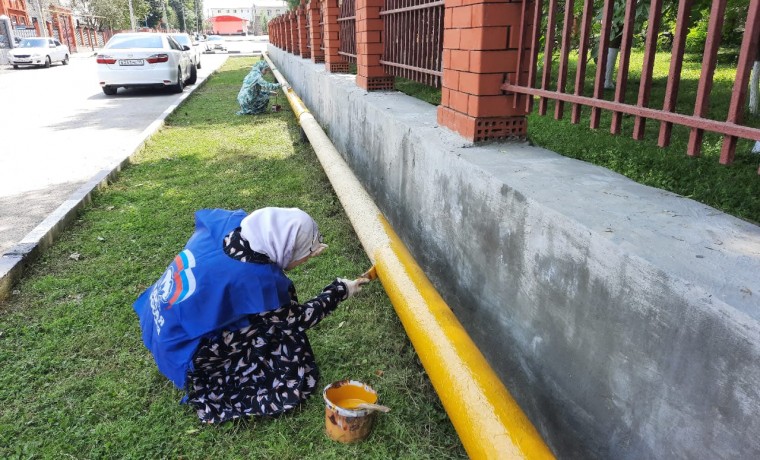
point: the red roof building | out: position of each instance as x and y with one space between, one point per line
228 25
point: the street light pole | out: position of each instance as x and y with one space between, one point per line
166 17
131 16
41 20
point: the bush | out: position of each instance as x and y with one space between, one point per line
697 36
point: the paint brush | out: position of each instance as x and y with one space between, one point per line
369 274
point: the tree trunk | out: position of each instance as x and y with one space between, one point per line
754 86
612 54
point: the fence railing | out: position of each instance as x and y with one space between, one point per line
347 22
413 44
731 128
493 58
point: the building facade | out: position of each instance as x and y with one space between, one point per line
255 12
16 12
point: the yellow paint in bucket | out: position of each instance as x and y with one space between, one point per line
343 421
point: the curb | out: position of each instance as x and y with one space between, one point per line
14 262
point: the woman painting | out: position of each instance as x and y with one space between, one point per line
254 94
224 322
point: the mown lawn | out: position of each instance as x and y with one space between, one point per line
75 379
734 189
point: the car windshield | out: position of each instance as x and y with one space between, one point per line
135 41
182 39
33 43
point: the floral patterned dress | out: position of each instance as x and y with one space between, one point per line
266 368
254 94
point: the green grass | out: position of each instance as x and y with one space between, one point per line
734 189
75 378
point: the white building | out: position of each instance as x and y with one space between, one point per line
255 11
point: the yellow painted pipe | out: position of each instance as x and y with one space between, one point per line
487 419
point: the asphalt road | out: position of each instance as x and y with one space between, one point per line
58 130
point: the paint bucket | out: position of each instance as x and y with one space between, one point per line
343 422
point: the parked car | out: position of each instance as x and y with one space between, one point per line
38 51
144 60
215 43
195 50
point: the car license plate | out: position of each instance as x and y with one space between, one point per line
130 62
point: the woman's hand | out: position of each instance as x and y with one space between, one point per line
353 287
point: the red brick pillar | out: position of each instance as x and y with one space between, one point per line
480 47
313 9
286 33
334 62
73 45
94 38
303 35
294 33
370 75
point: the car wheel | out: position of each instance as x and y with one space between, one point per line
15 66
109 90
65 60
193 76
180 86
47 61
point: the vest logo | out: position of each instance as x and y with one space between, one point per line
176 284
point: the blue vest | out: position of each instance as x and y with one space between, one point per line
202 292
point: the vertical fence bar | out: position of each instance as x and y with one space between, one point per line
601 60
533 60
747 56
625 62
520 47
709 61
650 51
567 29
674 75
580 71
548 51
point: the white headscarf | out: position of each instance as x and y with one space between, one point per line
283 234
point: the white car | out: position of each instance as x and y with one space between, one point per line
215 43
38 52
144 60
195 50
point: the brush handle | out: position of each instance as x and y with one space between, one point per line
376 407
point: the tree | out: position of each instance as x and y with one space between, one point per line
111 14
185 14
264 18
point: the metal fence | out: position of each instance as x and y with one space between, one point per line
24 32
413 42
347 34
529 83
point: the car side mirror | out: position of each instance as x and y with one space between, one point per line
185 47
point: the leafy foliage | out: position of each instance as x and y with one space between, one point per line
111 14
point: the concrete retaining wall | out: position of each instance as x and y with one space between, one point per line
624 319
